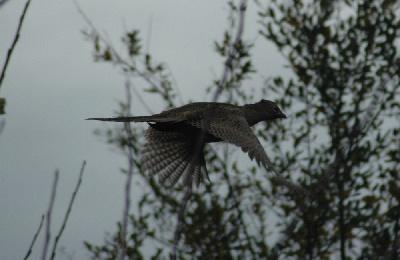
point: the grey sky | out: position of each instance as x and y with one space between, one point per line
52 85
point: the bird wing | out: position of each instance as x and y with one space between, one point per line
180 114
170 155
229 124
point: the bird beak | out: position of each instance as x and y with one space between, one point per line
283 116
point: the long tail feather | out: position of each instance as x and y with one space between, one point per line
122 119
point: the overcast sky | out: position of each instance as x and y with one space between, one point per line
52 85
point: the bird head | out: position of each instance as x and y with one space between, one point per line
262 111
269 110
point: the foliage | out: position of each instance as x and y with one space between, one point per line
341 143
346 64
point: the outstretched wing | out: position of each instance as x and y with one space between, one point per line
229 124
171 155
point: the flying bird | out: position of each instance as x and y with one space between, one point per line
176 138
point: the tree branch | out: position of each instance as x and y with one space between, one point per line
228 62
11 49
34 238
181 217
78 184
130 172
48 216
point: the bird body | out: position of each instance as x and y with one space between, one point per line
176 137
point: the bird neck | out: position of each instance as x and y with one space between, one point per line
252 115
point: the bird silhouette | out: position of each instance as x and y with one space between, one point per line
176 137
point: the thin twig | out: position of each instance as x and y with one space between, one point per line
78 184
11 49
117 58
48 216
2 2
142 102
130 172
2 125
232 193
181 217
232 54
34 238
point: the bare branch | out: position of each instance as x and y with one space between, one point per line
2 125
11 49
117 57
34 238
181 217
2 2
228 62
130 172
78 184
48 216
